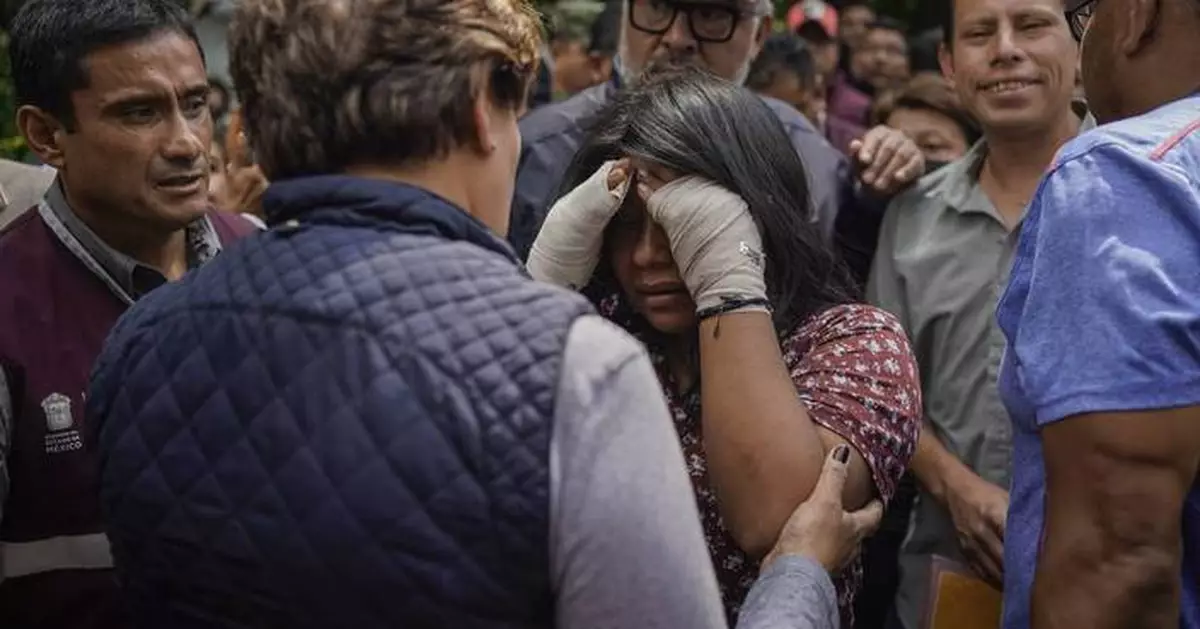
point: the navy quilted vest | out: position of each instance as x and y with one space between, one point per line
342 422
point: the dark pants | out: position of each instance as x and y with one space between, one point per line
873 609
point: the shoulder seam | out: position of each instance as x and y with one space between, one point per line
1170 143
1066 158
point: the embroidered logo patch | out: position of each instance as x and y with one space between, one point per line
57 408
61 436
755 256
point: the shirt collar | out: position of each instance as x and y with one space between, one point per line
5 200
131 276
958 183
1087 121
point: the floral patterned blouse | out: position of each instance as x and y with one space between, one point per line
855 374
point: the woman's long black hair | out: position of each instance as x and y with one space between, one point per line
698 124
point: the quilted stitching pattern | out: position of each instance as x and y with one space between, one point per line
343 425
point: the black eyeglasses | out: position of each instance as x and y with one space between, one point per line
709 21
1079 13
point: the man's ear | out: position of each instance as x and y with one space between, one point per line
482 111
601 67
765 27
946 61
1135 29
43 134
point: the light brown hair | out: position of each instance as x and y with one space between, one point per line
328 84
926 91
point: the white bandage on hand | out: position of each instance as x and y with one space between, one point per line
715 242
567 248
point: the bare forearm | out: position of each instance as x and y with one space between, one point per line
764 452
935 466
1079 584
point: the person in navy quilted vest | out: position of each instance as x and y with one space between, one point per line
112 95
369 416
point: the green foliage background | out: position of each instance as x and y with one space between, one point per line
918 13
11 144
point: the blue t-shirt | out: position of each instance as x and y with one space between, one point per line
1102 311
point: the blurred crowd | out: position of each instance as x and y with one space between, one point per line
639 313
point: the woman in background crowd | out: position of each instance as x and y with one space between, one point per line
928 111
236 184
711 260
785 70
220 102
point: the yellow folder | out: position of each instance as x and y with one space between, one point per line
960 600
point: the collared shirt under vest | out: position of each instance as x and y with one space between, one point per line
61 291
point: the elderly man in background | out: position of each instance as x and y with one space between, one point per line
724 37
571 26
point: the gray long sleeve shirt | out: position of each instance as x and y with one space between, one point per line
627 549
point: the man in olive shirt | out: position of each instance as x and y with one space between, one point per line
943 259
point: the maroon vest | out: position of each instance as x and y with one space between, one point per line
54 316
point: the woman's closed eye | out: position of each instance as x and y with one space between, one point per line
654 176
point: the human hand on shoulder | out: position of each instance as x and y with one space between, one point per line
889 161
821 529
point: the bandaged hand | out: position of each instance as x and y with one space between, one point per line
567 248
715 243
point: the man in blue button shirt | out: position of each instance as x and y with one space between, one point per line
1102 318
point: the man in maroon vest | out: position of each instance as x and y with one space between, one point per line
113 94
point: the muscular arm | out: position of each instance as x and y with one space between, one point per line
1115 492
764 451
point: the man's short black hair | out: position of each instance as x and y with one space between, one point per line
923 50
811 31
782 52
50 39
947 11
946 15
885 23
606 30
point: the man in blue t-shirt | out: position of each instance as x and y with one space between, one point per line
1102 318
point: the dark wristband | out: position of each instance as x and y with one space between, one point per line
733 304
